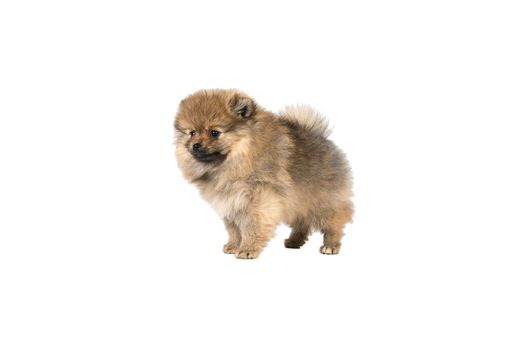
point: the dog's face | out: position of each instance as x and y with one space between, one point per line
208 125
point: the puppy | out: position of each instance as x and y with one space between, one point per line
258 169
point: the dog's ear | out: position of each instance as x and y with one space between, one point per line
242 105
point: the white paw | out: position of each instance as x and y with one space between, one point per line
329 250
229 248
247 254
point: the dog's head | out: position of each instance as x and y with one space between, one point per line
209 125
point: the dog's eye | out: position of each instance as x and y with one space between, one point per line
215 133
193 132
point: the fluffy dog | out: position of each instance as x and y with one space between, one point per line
259 169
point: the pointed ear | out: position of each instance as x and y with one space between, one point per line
242 105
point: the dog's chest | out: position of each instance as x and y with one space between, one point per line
227 202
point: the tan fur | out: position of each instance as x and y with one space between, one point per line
264 169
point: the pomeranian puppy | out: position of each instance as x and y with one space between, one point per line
258 169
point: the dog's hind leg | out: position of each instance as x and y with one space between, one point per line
300 232
333 230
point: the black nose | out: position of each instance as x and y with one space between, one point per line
196 146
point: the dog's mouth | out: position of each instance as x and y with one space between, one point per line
206 157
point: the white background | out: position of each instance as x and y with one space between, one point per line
103 245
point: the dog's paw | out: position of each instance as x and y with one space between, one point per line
230 248
329 250
293 244
247 254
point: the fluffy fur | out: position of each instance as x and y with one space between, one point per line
259 169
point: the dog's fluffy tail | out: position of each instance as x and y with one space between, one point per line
307 118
